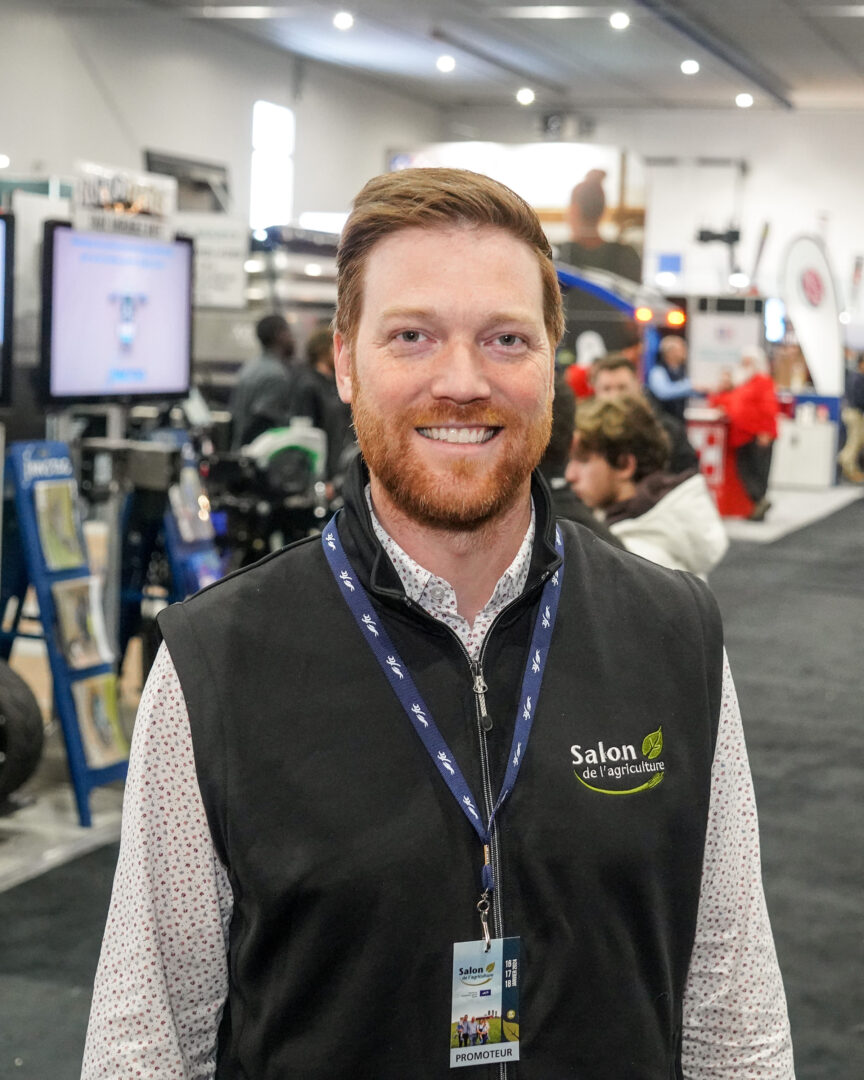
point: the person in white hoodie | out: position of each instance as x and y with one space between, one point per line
618 467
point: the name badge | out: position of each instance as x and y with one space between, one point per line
484 1012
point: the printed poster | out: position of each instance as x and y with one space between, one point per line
56 503
81 622
99 721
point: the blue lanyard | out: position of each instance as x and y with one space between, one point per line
404 687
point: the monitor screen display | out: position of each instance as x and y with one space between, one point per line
116 317
7 229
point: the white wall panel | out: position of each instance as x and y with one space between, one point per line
103 87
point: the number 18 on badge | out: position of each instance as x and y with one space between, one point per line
484 1014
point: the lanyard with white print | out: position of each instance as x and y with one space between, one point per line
404 687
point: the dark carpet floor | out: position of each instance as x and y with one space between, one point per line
794 614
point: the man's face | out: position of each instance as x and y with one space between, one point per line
595 481
676 353
616 382
450 374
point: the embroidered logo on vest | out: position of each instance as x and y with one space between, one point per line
611 770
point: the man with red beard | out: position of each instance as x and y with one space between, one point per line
338 838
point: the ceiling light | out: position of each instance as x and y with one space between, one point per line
643 314
739 280
343 20
260 235
744 101
619 20
845 318
690 67
5 161
445 63
525 96
313 270
253 266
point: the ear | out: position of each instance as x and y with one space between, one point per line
342 367
626 466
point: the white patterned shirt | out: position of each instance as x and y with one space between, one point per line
163 974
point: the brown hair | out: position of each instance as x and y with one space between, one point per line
589 196
319 344
435 199
622 426
611 362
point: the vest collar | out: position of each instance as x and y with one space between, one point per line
378 574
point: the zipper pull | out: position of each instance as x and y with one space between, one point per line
480 689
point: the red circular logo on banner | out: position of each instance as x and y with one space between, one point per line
813 287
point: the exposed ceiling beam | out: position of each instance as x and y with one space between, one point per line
676 16
488 57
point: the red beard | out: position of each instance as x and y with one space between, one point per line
464 494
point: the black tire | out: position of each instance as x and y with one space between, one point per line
22 734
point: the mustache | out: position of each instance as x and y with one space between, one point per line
473 414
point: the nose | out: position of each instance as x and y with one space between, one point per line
460 373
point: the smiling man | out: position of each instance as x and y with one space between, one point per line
449 759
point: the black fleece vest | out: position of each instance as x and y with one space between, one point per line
352 869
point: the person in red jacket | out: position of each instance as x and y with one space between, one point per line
749 401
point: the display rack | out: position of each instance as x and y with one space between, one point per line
43 547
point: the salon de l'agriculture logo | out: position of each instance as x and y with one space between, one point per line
618 769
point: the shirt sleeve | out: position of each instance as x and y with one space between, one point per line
735 1021
666 389
162 977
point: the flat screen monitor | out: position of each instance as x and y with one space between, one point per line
116 316
7 275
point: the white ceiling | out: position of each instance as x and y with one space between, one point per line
802 54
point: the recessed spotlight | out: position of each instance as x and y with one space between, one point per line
739 280
445 63
525 96
690 67
845 318
744 101
343 20
619 20
313 270
5 161
260 235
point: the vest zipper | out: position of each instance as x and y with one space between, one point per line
485 724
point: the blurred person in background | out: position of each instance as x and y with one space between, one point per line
668 381
316 396
748 399
853 417
586 246
619 466
565 502
615 376
261 397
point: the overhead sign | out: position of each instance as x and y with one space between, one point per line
108 199
813 307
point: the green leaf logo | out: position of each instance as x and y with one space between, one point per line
652 745
490 967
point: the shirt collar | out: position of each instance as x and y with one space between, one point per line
429 590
